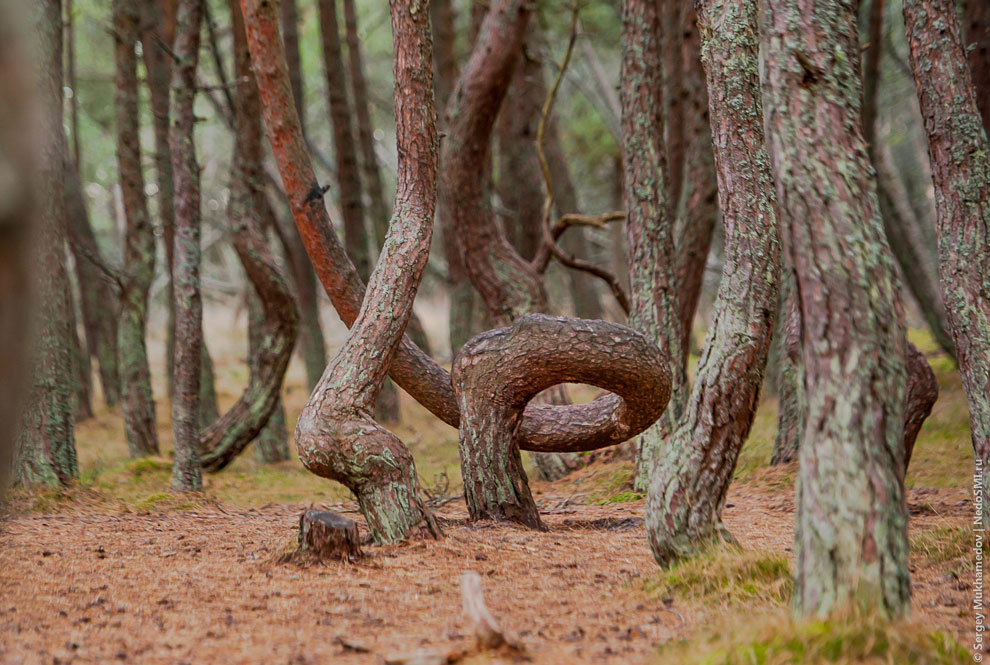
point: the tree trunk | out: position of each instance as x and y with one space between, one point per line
188 304
82 379
958 147
671 93
919 398
46 451
696 223
598 424
289 22
684 505
97 300
227 437
345 151
498 372
851 531
335 435
649 224
139 243
977 13
443 22
272 442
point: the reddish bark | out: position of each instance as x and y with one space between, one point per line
289 21
977 17
958 147
335 435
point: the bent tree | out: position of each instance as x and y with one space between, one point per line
851 531
959 150
687 492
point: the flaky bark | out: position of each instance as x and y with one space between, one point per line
851 540
139 243
958 147
597 424
977 14
345 150
649 224
227 437
186 473
46 452
696 224
336 436
498 372
97 299
684 504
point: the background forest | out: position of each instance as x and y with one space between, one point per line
752 227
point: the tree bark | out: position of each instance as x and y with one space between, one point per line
498 372
851 531
345 151
977 13
139 243
289 22
335 435
597 424
649 224
443 21
187 475
328 535
97 300
958 147
227 437
696 223
272 443
793 399
687 493
82 379
46 452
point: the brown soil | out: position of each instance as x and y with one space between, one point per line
98 585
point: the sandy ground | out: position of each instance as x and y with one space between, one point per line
203 586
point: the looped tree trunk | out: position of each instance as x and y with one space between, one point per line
498 372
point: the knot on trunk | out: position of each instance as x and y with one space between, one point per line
498 372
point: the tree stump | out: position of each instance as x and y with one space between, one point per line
327 535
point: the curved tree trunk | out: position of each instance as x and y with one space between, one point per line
272 443
649 224
139 243
188 304
597 424
958 146
498 372
684 505
46 451
227 437
851 535
336 436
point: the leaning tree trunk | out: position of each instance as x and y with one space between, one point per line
649 224
603 422
684 505
851 531
272 443
959 149
187 475
228 436
46 451
139 243
97 300
335 435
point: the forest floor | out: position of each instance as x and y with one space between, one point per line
118 570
